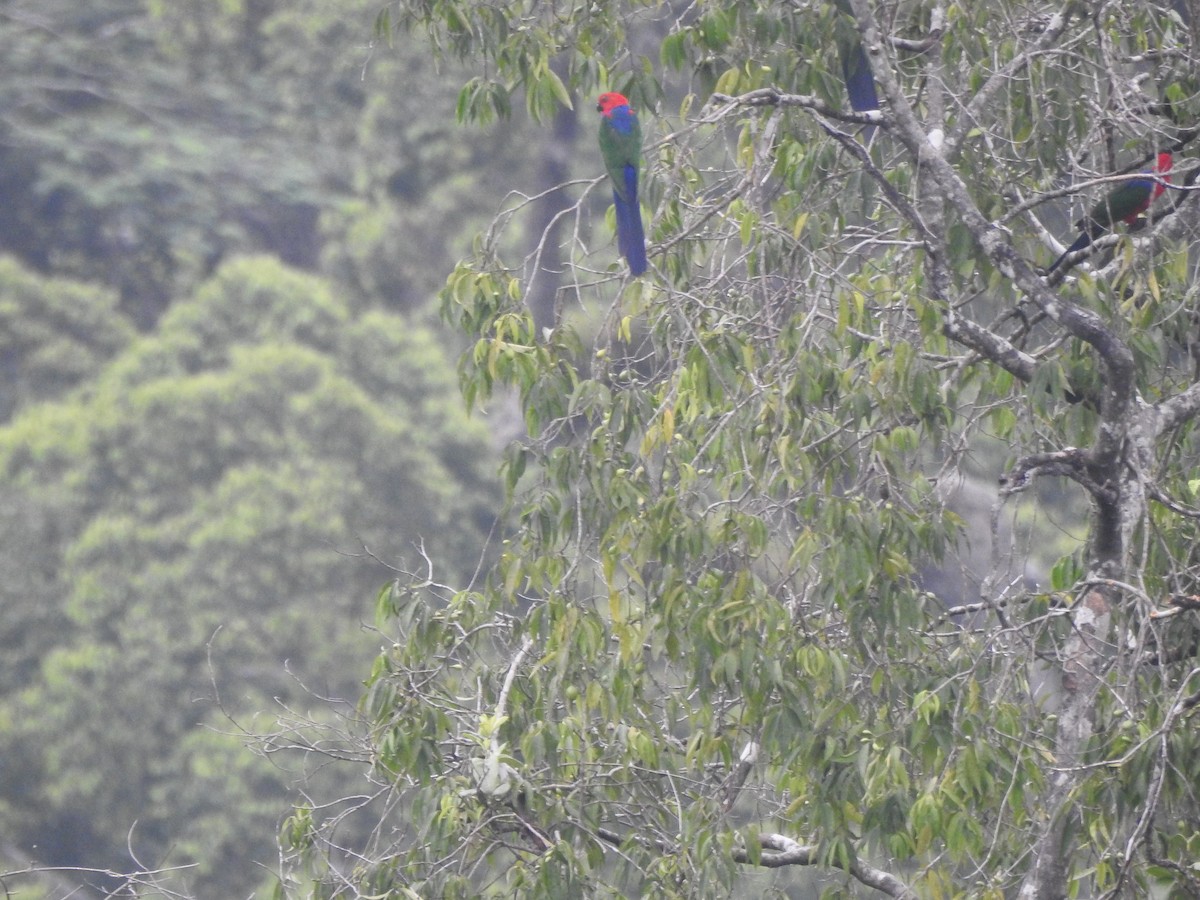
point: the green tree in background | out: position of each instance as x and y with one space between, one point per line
186 562
53 334
705 663
142 142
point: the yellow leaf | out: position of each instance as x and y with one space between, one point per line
728 81
624 330
747 227
649 440
798 225
614 606
493 355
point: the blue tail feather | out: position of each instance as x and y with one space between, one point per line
860 84
1080 242
631 239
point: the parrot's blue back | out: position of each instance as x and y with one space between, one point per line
622 120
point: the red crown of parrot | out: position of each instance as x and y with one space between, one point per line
1162 166
606 103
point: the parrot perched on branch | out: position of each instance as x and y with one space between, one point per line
1123 204
621 146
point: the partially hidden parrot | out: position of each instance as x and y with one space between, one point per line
856 69
1123 204
860 83
621 146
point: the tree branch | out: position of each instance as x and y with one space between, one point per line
792 853
772 96
1079 322
985 97
1070 462
1181 408
988 345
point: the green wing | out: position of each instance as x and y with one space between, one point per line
1126 201
621 146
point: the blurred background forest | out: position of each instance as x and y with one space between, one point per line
227 406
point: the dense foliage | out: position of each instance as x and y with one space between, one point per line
706 657
186 559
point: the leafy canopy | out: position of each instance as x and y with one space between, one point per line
706 653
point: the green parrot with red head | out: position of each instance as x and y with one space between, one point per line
1123 204
621 147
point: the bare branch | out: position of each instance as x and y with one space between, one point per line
792 853
770 96
737 777
1070 462
1181 408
